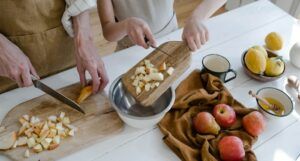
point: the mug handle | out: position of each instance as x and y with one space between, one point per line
229 79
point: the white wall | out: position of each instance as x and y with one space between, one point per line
290 6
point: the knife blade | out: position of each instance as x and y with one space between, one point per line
38 84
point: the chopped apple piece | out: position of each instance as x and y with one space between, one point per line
163 66
28 132
53 146
141 84
34 120
170 70
45 127
157 76
22 120
45 144
148 64
59 126
52 118
52 133
27 154
61 133
49 140
71 132
84 94
152 85
38 148
138 90
7 140
51 124
135 83
44 134
26 117
156 84
62 115
37 131
35 136
147 78
31 142
39 125
140 70
66 120
22 141
71 127
22 130
147 87
56 139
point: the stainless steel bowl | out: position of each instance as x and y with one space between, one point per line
133 113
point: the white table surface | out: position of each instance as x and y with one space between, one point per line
230 34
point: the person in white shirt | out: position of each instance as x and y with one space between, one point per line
34 41
130 21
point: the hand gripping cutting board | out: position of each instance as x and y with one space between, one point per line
99 122
176 54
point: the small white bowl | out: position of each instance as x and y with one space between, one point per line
279 95
133 113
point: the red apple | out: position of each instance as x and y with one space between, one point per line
231 148
225 115
254 123
205 123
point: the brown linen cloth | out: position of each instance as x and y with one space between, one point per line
201 92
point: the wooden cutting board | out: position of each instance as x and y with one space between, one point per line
99 122
176 54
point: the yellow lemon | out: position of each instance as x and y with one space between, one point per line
255 61
262 49
274 41
275 67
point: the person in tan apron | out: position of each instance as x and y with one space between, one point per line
34 42
130 21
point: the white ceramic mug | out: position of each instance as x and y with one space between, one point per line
218 66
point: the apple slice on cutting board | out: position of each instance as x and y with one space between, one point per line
7 140
169 61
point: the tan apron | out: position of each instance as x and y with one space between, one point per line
159 14
35 27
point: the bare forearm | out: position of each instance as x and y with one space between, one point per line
114 31
82 28
207 8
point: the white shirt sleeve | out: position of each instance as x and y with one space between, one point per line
74 8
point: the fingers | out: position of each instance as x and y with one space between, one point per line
206 33
150 37
140 39
17 77
26 78
33 71
22 76
139 33
81 73
95 79
198 41
191 43
103 78
82 78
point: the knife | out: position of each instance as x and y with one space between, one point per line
38 84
